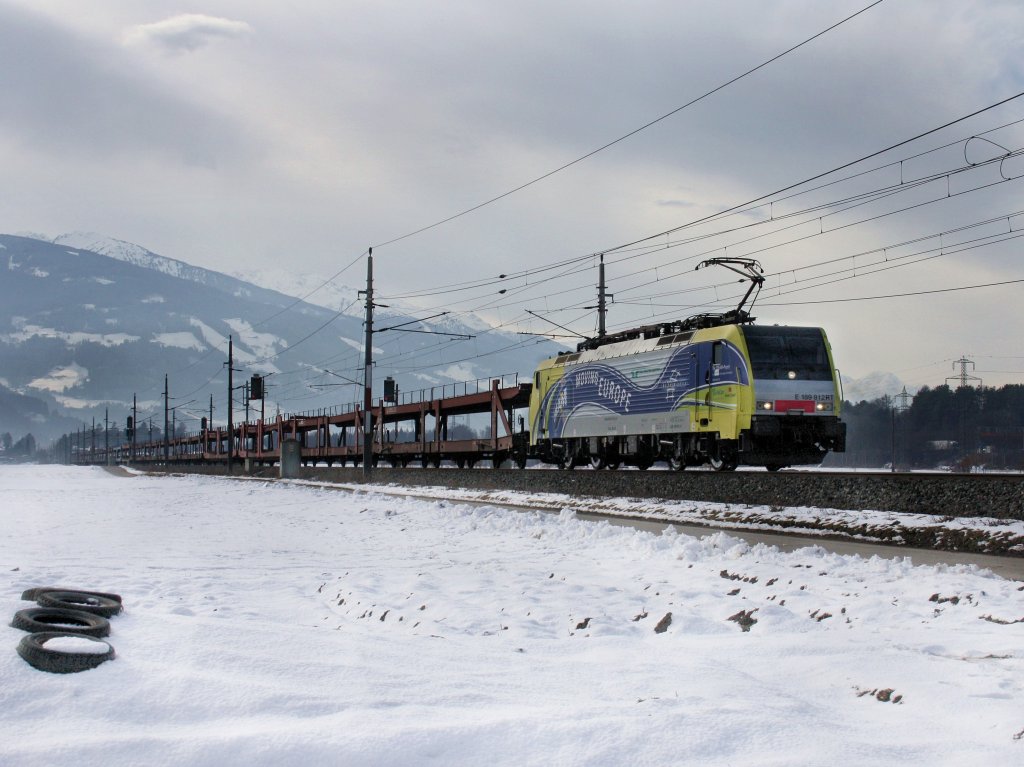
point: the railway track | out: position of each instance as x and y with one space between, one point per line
655 516
924 511
994 544
955 495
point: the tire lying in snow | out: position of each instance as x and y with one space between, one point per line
43 619
60 652
31 595
80 600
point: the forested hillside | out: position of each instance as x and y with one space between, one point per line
961 428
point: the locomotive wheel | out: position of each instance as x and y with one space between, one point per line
568 460
773 466
677 464
723 464
598 462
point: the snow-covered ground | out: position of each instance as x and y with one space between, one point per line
271 624
988 534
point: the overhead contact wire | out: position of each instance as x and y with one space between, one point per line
633 132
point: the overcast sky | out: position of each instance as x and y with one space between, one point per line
259 135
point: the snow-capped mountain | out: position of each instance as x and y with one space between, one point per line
334 294
139 256
85 330
872 386
129 252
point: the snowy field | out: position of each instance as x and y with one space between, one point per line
287 625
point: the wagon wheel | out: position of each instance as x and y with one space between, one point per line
677 463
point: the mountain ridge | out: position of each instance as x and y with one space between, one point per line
89 329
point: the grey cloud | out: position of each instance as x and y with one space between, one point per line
66 95
187 32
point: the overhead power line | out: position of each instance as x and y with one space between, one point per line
632 133
733 210
894 295
844 166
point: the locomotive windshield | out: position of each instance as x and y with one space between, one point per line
775 352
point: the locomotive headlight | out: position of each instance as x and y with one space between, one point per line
791 375
823 407
765 405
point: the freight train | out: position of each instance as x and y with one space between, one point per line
714 389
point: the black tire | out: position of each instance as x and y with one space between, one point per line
43 619
31 595
35 653
78 600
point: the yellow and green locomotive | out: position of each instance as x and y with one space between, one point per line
699 391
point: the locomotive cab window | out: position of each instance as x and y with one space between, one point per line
781 352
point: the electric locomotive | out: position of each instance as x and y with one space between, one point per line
712 389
